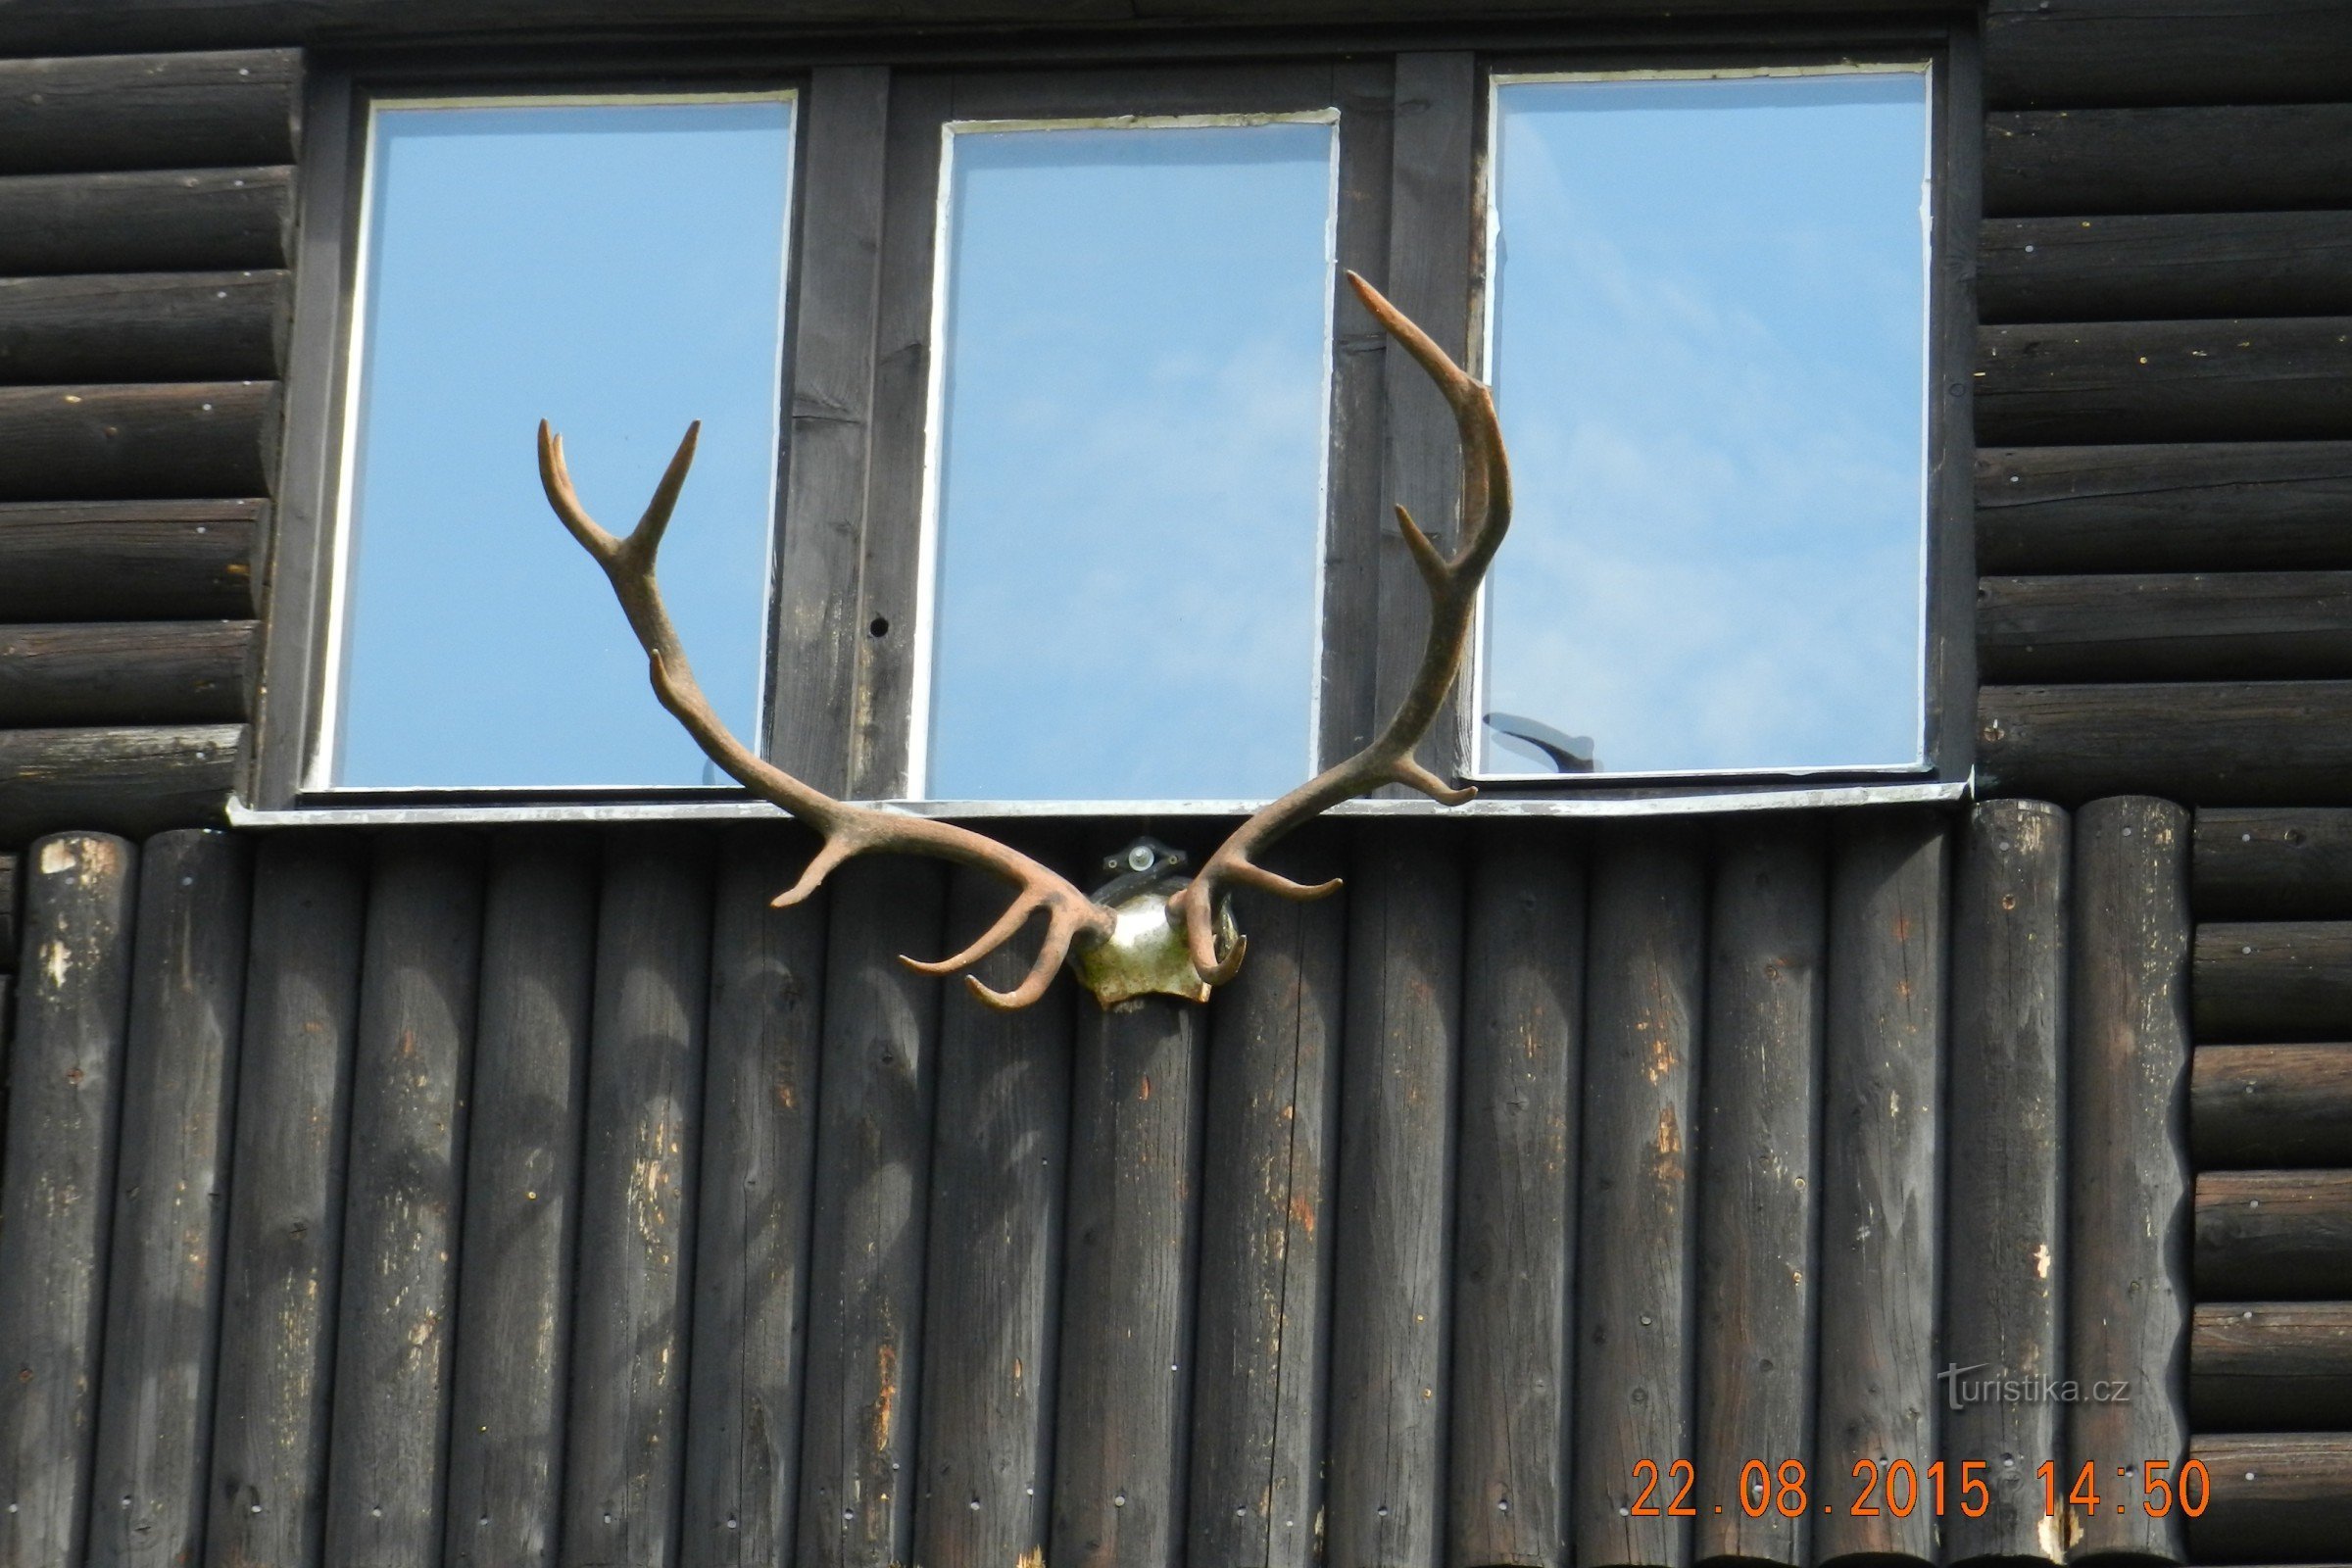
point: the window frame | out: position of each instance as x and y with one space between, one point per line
855 379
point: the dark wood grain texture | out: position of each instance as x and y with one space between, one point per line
522 1169
125 672
190 111
64 1082
281 1280
171 1177
2245 379
1123 1430
2285 1497
2271 1366
1759 1183
2223 742
130 560
2128 1176
412 1066
625 1424
2059 53
2237 506
1392 1210
751 1274
2270 1106
878 1078
2274 1235
2235 158
103 443
2142 267
1882 1202
2262 980
1514 1249
12 884
162 220
2240 625
999 1155
1637 1287
142 327
2276 863
2004 1247
138 780
1262 1335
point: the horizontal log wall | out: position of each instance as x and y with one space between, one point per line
146 208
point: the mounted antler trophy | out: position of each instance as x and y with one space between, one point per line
1150 929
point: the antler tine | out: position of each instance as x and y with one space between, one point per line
848 830
1453 597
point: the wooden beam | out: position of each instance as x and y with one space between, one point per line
2236 506
142 327
2271 1366
125 672
2271 1106
2263 980
2274 1235
2248 741
2275 862
2143 267
2239 625
100 443
2060 54
130 560
2237 158
11 882
2090 381
2274 1495
164 111
163 221
141 780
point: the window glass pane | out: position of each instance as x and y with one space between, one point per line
1709 345
1128 495
617 269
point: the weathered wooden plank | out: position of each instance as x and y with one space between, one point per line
142 327
751 1275
163 1291
1514 1253
1956 113
2237 157
998 1165
1637 1290
413 1062
1264 1299
2265 980
1759 1185
2128 1177
1393 1203
138 780
189 111
2240 742
2148 267
522 1172
2239 507
11 882
1122 1428
877 1078
2274 1495
2278 863
1882 1152
65 1078
625 1422
2270 1106
2004 1247
2271 1366
2227 380
101 443
2274 1235
2238 625
130 560
2061 53
166 221
125 672
283 1274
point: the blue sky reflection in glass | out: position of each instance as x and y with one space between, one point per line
1709 358
618 268
1129 466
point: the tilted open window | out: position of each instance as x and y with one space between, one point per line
1046 465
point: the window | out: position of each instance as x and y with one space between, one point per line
1046 460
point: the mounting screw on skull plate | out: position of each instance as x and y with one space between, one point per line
1145 953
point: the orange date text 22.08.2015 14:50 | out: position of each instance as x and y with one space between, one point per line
1900 1488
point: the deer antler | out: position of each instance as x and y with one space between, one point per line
1453 597
848 830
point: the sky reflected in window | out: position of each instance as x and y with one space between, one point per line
1129 474
1709 356
616 269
